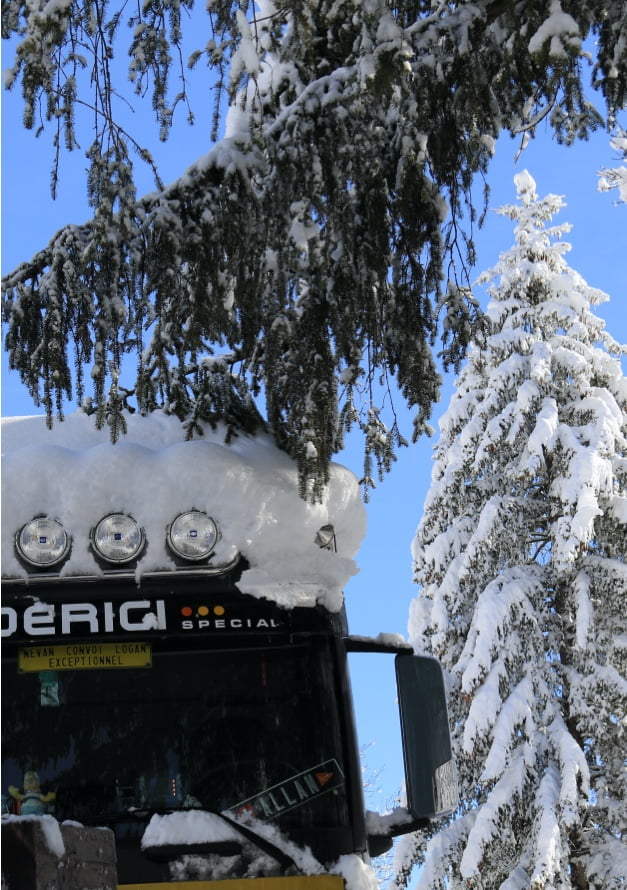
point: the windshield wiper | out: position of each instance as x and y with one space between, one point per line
262 843
167 852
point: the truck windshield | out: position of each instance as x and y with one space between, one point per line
251 730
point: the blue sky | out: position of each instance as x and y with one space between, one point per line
378 598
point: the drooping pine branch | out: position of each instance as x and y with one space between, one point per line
323 236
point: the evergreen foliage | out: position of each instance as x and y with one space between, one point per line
616 177
520 555
313 249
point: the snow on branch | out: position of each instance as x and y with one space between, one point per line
520 558
611 178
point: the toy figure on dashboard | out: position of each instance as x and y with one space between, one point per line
31 801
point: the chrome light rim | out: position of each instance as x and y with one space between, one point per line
192 536
118 539
42 543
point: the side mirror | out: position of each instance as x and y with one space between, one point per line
429 768
430 777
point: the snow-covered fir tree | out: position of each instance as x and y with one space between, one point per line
308 254
520 556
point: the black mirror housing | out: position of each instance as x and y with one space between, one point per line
429 767
430 775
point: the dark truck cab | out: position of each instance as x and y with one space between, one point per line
175 656
184 695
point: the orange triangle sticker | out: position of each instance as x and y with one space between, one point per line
323 778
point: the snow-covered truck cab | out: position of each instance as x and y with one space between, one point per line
175 658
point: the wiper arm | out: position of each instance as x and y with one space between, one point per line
226 847
166 852
266 846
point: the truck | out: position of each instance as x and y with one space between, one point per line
175 659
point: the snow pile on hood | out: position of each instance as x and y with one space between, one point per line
73 473
199 827
196 827
190 827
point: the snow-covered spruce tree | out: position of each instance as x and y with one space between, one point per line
308 253
520 555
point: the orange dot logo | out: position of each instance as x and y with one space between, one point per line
203 610
186 612
218 610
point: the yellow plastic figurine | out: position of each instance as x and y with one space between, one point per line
32 801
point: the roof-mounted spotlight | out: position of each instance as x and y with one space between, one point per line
192 536
118 539
42 543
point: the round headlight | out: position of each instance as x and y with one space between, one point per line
43 542
193 536
118 538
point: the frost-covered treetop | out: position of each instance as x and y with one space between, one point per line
542 390
74 473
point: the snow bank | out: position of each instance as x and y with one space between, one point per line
75 474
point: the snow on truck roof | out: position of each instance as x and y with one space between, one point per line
73 473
